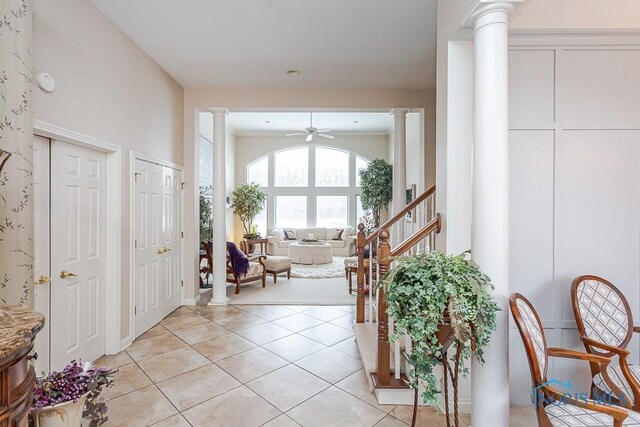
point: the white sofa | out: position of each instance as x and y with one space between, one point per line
278 245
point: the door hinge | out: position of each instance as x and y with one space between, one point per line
182 234
135 244
135 310
182 185
182 283
135 176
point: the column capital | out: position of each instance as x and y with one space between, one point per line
400 112
485 12
219 111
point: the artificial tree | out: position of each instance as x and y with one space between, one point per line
377 190
206 215
248 202
439 300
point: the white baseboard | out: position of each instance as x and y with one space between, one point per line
191 301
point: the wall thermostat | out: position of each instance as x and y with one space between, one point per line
45 82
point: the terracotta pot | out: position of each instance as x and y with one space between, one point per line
67 414
445 332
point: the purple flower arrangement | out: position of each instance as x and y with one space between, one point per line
75 380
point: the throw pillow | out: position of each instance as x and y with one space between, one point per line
289 234
338 234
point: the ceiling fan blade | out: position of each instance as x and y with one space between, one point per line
323 130
309 138
296 134
327 136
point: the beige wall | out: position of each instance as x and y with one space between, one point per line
201 99
107 88
577 15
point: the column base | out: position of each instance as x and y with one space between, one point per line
223 302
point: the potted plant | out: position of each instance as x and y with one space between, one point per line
439 300
64 398
206 215
377 190
248 202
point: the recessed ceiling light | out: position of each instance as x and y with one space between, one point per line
293 73
356 121
267 121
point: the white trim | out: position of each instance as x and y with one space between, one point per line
113 242
588 37
191 301
147 158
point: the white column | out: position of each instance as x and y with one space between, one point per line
219 209
399 168
490 212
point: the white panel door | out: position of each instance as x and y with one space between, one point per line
148 245
78 181
42 261
172 239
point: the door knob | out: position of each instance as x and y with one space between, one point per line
167 249
42 280
64 274
161 251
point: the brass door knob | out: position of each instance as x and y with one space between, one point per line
167 249
160 251
42 280
64 274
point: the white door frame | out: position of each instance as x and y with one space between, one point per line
133 156
113 226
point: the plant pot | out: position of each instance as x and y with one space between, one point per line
67 414
445 334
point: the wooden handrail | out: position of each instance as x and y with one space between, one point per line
388 223
433 225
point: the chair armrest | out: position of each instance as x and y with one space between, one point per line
618 414
579 355
606 347
273 239
636 329
259 258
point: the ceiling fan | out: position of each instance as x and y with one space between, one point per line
312 132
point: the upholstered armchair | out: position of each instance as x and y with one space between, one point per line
553 407
243 269
605 324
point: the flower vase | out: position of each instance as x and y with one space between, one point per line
66 414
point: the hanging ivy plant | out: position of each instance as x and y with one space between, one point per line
418 291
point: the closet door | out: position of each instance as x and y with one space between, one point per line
78 182
172 239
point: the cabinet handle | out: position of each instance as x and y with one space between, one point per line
64 274
42 280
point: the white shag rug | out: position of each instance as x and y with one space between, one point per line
319 271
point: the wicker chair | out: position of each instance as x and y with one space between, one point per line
257 271
574 411
605 324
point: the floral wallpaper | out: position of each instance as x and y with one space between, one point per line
16 177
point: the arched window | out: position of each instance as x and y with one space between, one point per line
258 172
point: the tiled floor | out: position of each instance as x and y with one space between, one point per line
244 366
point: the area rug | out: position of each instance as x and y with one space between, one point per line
320 271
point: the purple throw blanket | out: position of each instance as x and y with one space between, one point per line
239 261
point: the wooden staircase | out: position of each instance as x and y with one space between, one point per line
383 362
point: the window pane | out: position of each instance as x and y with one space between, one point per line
291 168
332 168
291 211
261 221
206 162
359 210
331 211
258 172
360 164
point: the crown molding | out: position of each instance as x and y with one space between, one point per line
573 37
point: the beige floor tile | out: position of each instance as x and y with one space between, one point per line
240 321
140 408
344 321
326 313
327 334
223 347
203 332
330 365
298 322
196 386
287 386
300 308
348 346
427 416
180 311
294 347
183 321
114 361
282 421
130 378
271 312
522 416
154 332
336 408
173 363
238 407
216 312
264 333
389 421
143 349
251 364
357 385
174 421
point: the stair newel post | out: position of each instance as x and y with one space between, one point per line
384 348
360 275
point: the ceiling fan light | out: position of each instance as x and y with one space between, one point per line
309 138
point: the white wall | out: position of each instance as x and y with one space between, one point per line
109 89
575 187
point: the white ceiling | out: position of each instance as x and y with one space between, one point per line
280 122
334 43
